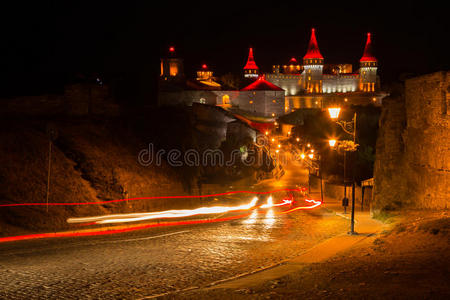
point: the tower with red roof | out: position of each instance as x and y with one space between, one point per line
313 66
368 68
251 70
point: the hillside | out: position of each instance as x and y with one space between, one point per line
92 160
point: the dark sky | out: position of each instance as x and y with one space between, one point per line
47 43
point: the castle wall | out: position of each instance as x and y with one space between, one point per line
262 102
340 83
291 83
187 97
412 167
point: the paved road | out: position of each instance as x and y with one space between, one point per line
164 259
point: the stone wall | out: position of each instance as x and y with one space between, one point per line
412 167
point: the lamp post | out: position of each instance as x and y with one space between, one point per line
350 128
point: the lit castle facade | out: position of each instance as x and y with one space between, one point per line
309 84
316 84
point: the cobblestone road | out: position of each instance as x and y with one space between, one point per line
159 260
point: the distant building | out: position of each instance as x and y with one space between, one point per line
172 67
259 98
307 84
315 84
262 98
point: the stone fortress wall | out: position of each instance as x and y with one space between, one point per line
412 167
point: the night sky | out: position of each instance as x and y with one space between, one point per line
50 43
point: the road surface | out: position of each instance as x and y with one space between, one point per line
164 259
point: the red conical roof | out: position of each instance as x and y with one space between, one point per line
261 84
368 54
313 48
251 65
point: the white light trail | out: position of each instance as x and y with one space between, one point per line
134 217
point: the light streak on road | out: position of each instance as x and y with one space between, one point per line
303 189
269 203
252 218
134 217
316 203
269 219
174 214
103 231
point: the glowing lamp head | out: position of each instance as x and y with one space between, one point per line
267 133
172 49
279 146
273 140
298 139
302 155
332 143
311 156
309 145
334 112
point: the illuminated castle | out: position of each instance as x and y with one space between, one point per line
316 84
309 84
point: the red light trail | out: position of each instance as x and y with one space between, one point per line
165 214
151 198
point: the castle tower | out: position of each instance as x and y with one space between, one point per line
251 70
368 68
313 66
172 66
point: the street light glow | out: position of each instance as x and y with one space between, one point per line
311 156
334 112
302 155
332 142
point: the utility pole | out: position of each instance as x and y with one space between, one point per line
321 178
48 171
52 135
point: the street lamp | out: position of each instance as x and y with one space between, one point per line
334 112
350 128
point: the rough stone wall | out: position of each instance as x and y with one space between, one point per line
427 139
412 168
